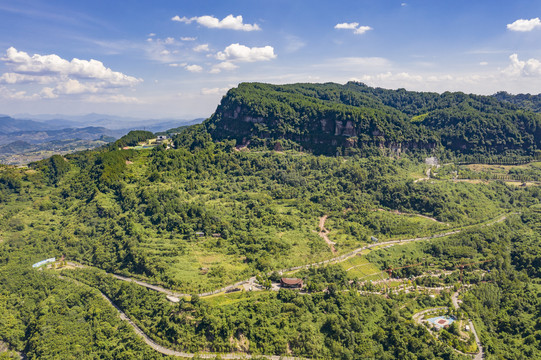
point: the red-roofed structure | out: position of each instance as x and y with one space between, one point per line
291 283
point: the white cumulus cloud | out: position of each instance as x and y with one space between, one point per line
194 68
223 66
518 68
524 25
6 93
390 76
187 38
48 93
348 26
213 91
72 86
53 65
359 30
63 77
201 48
242 53
229 22
362 29
117 98
15 78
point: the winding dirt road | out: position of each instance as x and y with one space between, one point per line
323 232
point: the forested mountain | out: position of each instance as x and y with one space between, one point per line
208 228
351 118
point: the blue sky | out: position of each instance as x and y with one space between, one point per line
178 58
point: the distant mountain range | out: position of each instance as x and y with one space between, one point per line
113 122
88 127
33 137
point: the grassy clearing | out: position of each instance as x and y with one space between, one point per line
503 169
359 267
223 299
205 263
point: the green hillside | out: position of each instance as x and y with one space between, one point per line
208 228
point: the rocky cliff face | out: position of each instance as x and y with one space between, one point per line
320 135
248 114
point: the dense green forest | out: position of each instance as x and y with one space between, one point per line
50 318
332 118
209 213
526 101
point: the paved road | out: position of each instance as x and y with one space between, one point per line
418 316
172 293
340 258
150 286
169 292
481 354
166 351
321 263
